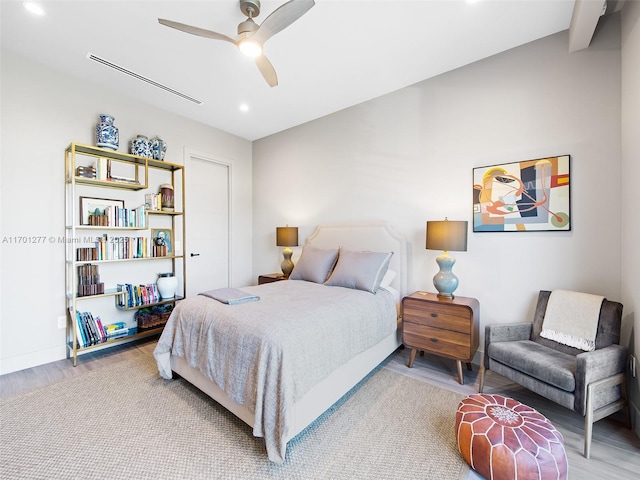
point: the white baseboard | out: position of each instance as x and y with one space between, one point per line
31 359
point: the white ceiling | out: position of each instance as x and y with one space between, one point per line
338 54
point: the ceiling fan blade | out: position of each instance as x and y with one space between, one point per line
267 70
201 32
281 18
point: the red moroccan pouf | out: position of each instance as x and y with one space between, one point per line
502 438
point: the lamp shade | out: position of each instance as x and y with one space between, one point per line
287 236
447 235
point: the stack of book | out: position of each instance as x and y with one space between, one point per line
86 253
129 217
120 248
116 330
89 329
153 201
137 295
89 281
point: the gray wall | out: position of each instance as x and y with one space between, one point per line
408 157
631 168
43 111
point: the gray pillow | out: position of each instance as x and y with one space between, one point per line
359 270
315 264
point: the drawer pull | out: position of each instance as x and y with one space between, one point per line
434 340
434 315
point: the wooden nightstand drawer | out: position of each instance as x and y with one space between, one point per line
446 317
436 340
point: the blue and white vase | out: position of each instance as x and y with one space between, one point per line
140 146
158 148
107 135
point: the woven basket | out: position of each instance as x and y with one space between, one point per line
152 320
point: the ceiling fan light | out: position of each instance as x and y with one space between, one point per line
250 48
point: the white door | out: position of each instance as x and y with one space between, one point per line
207 251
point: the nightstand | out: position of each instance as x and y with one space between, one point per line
442 326
270 277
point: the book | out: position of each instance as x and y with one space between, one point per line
103 335
93 340
118 334
79 331
114 327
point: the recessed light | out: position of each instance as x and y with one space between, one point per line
244 107
34 8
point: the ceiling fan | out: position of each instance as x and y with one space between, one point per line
251 37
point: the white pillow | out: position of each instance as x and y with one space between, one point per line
359 270
315 264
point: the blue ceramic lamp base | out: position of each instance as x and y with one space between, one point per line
445 281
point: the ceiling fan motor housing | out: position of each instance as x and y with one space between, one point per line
248 26
251 8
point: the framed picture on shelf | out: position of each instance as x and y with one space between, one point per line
96 206
163 237
526 196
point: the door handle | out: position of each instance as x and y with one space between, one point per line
195 254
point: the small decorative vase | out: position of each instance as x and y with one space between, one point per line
158 148
140 146
167 285
166 197
107 135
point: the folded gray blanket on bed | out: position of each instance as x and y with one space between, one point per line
230 296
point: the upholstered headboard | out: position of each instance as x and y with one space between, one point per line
375 237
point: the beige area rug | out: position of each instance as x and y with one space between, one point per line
127 422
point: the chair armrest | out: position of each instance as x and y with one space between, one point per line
602 363
597 365
507 332
504 332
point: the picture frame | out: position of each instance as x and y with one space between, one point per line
523 196
166 234
88 206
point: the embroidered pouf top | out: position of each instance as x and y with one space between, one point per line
502 438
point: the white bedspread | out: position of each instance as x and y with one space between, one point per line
266 355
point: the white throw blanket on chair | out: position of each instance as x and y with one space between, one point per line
572 319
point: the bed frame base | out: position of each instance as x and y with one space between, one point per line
316 401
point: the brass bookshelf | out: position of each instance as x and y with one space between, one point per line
142 176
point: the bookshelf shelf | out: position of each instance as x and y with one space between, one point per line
108 293
161 302
160 212
92 174
97 227
118 260
133 334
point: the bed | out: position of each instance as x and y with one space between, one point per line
278 363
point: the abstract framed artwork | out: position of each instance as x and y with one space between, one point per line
532 195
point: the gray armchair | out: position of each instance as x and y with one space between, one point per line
589 383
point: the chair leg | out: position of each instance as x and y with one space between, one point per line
588 424
591 416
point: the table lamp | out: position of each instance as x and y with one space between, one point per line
287 237
447 236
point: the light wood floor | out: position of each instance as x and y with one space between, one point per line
615 450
